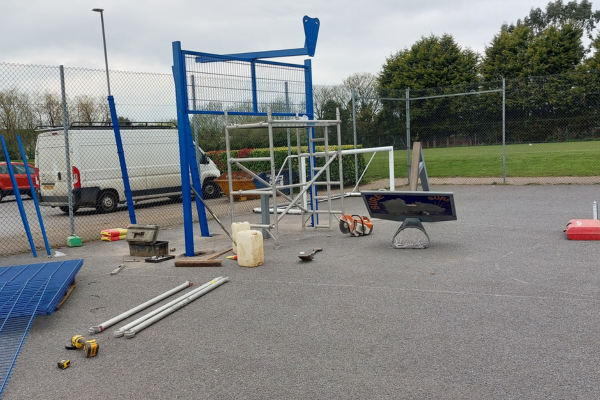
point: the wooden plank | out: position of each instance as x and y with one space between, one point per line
414 166
67 294
219 254
198 263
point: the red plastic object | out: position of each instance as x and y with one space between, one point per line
583 229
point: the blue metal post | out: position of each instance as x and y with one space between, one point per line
310 134
17 194
186 195
34 196
254 91
193 161
117 130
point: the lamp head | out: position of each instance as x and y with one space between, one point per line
98 9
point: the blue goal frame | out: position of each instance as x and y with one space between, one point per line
262 90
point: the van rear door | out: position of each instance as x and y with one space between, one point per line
50 161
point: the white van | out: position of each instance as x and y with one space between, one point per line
151 155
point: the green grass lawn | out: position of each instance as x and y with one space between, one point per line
522 160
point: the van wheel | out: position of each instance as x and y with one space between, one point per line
211 189
107 202
1 194
66 209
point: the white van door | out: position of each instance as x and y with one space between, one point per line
50 159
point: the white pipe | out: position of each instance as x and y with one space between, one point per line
389 149
121 331
353 151
213 284
112 321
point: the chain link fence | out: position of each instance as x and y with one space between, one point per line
535 130
31 108
549 134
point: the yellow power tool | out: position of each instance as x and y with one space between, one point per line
90 347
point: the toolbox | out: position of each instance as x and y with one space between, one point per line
583 229
159 248
138 233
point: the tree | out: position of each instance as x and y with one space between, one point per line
556 50
48 108
578 15
509 54
431 62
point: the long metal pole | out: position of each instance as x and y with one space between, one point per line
121 331
120 317
105 54
17 194
65 117
504 130
213 284
407 101
33 195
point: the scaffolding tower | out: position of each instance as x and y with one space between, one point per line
308 186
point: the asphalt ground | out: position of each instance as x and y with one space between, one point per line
500 306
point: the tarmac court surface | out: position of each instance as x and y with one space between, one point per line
500 306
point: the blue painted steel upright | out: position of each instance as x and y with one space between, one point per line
193 162
34 196
17 194
117 130
310 134
186 191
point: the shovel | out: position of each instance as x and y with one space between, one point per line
309 257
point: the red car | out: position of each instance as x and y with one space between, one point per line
21 177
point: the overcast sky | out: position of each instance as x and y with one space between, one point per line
355 36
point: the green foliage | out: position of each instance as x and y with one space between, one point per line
509 54
431 62
557 14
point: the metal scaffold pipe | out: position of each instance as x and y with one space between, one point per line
120 317
213 284
121 331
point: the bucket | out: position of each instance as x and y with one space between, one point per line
250 248
238 227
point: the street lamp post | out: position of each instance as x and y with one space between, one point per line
100 10
115 123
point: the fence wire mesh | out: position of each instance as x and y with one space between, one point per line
534 130
551 133
218 84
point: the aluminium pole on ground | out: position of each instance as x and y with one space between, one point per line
213 285
121 331
128 313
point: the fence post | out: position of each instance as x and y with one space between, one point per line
407 101
354 128
65 120
504 130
